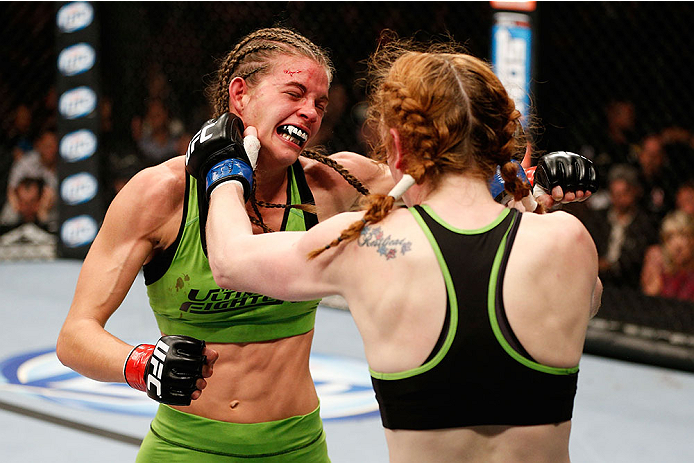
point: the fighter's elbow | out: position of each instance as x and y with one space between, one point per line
220 272
227 273
63 349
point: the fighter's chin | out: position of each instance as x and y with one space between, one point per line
282 153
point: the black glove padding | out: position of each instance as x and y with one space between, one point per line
570 171
216 155
173 369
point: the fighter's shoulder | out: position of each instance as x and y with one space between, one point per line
359 165
161 186
555 232
350 157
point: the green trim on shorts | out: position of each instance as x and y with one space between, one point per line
175 434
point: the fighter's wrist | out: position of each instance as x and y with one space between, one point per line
136 365
232 183
230 170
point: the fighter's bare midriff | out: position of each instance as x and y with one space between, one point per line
258 382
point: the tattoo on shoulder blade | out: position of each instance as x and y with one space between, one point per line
385 245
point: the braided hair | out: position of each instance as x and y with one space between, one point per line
251 59
453 116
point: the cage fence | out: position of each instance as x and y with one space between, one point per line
607 77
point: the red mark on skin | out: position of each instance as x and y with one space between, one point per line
291 73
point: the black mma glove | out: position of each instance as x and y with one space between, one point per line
570 171
216 155
168 371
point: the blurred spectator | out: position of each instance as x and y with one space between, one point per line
684 198
668 268
156 135
658 180
623 231
615 140
6 161
46 113
39 163
159 85
20 135
119 155
679 147
30 203
121 168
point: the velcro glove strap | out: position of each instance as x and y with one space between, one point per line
217 141
227 170
168 370
136 366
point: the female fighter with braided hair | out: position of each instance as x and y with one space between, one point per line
261 402
469 361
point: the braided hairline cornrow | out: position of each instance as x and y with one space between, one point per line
268 39
279 40
432 141
421 137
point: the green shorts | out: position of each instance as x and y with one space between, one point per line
175 436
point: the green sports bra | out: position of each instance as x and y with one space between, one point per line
187 301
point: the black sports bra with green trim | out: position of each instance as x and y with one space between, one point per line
478 373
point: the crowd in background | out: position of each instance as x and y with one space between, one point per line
642 219
28 163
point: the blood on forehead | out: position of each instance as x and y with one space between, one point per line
309 72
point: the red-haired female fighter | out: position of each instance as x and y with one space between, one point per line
473 358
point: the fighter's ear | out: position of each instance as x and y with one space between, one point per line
238 95
397 145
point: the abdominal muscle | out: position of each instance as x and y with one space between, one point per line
258 382
482 444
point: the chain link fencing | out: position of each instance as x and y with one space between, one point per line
610 81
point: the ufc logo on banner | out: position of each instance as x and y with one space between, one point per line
157 363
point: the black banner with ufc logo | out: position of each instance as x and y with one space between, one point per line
80 200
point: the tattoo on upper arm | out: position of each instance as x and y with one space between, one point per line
385 245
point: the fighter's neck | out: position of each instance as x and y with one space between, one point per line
271 184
